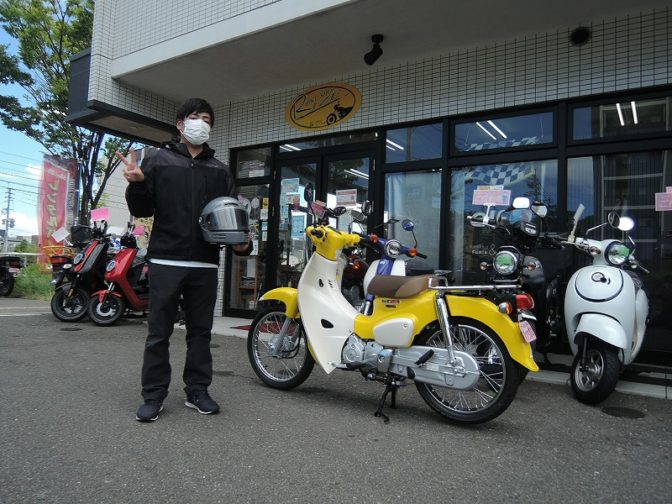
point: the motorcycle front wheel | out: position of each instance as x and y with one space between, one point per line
69 308
6 284
107 312
595 379
496 386
294 363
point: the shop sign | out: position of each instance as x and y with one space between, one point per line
323 107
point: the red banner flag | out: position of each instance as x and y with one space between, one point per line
53 196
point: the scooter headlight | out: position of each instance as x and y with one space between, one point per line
617 253
393 249
505 262
111 265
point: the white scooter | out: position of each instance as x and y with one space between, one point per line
605 311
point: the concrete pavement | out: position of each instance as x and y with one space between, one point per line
650 384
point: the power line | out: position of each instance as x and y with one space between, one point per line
20 156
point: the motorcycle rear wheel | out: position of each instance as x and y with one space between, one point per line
6 284
498 380
595 381
107 312
69 309
294 364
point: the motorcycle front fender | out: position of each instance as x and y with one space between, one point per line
509 331
102 293
288 296
601 327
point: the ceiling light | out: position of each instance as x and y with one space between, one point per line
393 144
376 52
634 111
620 114
483 128
497 129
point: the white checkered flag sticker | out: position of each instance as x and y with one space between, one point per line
503 175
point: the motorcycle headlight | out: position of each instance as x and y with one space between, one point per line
111 265
505 262
617 253
393 249
78 258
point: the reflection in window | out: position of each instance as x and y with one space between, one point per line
348 186
504 132
625 183
253 162
414 143
247 273
415 196
627 117
315 143
538 180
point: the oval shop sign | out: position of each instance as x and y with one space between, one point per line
323 107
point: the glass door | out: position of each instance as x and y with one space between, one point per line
348 183
292 247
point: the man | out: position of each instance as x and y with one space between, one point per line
173 185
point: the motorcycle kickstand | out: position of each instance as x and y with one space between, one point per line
390 386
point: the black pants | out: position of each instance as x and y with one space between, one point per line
198 287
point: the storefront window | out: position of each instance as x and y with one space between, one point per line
504 132
253 162
415 196
627 184
316 143
247 273
621 118
414 143
538 180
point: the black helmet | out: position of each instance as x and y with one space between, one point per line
224 221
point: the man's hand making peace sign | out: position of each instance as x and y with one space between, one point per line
132 171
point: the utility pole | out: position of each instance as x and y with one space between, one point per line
7 221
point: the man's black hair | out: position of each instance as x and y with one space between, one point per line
195 106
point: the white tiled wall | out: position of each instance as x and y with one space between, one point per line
626 53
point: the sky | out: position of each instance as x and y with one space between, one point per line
20 168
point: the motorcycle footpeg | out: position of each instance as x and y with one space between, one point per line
424 358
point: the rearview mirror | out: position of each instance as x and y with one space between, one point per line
407 224
521 202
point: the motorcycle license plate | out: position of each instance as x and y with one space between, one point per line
14 270
528 331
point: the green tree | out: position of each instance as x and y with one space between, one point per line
48 34
24 246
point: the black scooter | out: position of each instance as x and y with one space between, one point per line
9 268
76 281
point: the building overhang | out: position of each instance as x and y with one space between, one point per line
223 63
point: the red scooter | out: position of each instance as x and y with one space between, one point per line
127 284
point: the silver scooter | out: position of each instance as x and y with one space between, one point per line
606 311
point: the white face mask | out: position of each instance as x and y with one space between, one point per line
196 131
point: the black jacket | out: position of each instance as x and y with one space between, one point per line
175 190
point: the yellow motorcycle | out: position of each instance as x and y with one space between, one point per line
461 345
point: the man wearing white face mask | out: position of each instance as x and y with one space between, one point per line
173 185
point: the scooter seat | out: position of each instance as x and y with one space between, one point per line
398 287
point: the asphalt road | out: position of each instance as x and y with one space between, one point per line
68 395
